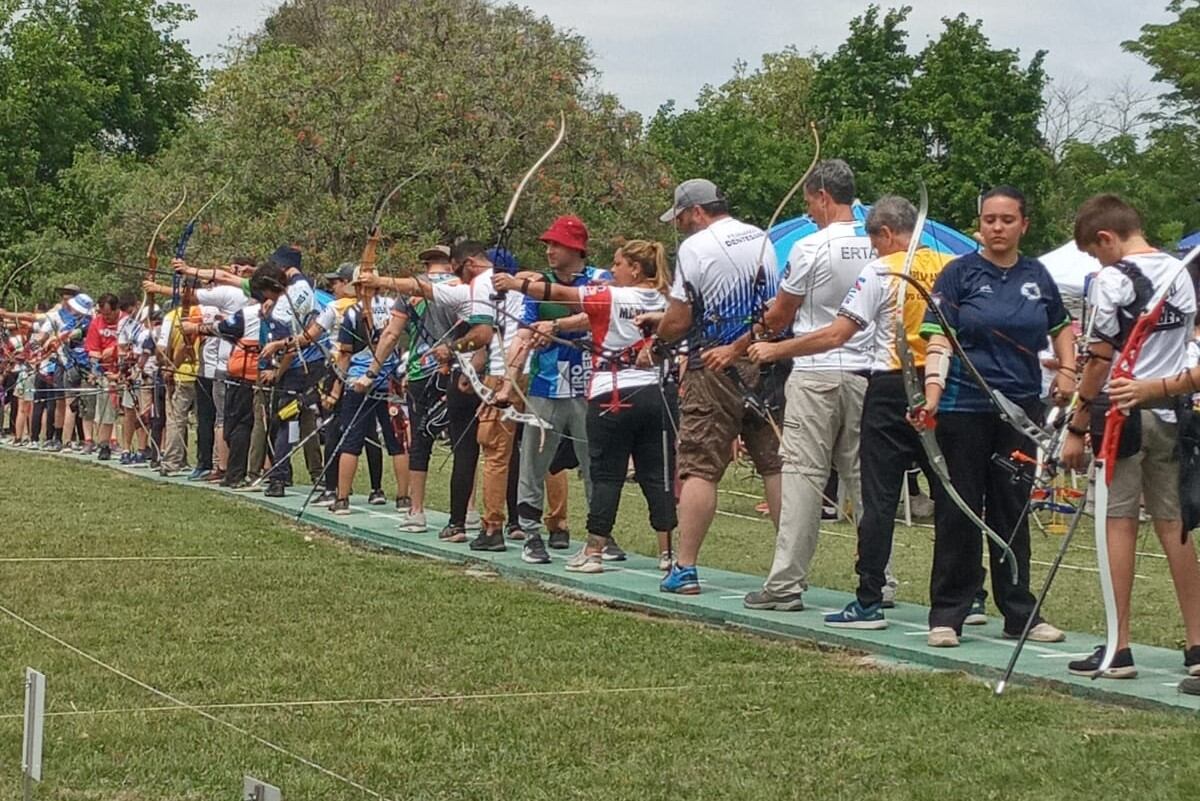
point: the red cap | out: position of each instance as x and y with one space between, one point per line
568 231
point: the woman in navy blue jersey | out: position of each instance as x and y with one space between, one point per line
1002 307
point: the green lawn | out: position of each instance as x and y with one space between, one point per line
658 709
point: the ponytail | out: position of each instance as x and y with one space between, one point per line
652 258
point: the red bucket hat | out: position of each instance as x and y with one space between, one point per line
568 231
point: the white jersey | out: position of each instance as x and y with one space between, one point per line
728 284
214 351
454 299
1164 353
228 300
484 299
821 268
611 311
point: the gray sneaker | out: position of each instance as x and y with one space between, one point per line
584 562
473 521
762 599
921 508
1190 685
413 523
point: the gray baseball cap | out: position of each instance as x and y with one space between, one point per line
435 253
693 192
345 272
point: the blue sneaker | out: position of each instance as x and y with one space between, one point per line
125 457
199 474
857 616
681 581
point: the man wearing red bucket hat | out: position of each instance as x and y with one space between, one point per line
559 374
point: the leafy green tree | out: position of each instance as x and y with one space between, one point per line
978 110
1173 49
334 102
106 75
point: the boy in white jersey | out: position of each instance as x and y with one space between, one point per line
825 391
1111 231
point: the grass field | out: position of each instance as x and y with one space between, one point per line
498 690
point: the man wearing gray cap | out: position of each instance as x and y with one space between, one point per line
719 288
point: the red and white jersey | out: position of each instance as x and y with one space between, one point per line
611 311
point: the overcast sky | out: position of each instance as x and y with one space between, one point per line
651 51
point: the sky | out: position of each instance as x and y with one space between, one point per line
651 51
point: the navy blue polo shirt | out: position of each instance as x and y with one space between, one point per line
1002 318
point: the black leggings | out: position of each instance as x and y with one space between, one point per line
636 431
969 442
239 421
464 427
206 421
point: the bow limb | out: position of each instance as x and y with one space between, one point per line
367 261
12 276
916 390
512 204
812 126
152 255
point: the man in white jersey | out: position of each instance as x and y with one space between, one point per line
1147 468
825 390
720 287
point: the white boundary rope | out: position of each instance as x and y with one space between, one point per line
415 700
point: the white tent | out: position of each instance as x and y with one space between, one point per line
1070 268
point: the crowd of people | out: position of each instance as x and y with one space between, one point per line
837 363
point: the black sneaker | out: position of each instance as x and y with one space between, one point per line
1191 660
453 534
104 454
534 551
274 490
612 552
325 499
492 540
560 540
1190 685
341 506
1121 667
403 503
377 498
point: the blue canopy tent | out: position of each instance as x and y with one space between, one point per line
936 236
1188 242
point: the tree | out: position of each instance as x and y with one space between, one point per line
750 136
334 102
1173 49
980 111
101 74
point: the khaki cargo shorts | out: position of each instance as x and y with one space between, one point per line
1152 473
713 415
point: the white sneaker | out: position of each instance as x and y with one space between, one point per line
413 523
1042 632
942 637
473 521
584 562
664 561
